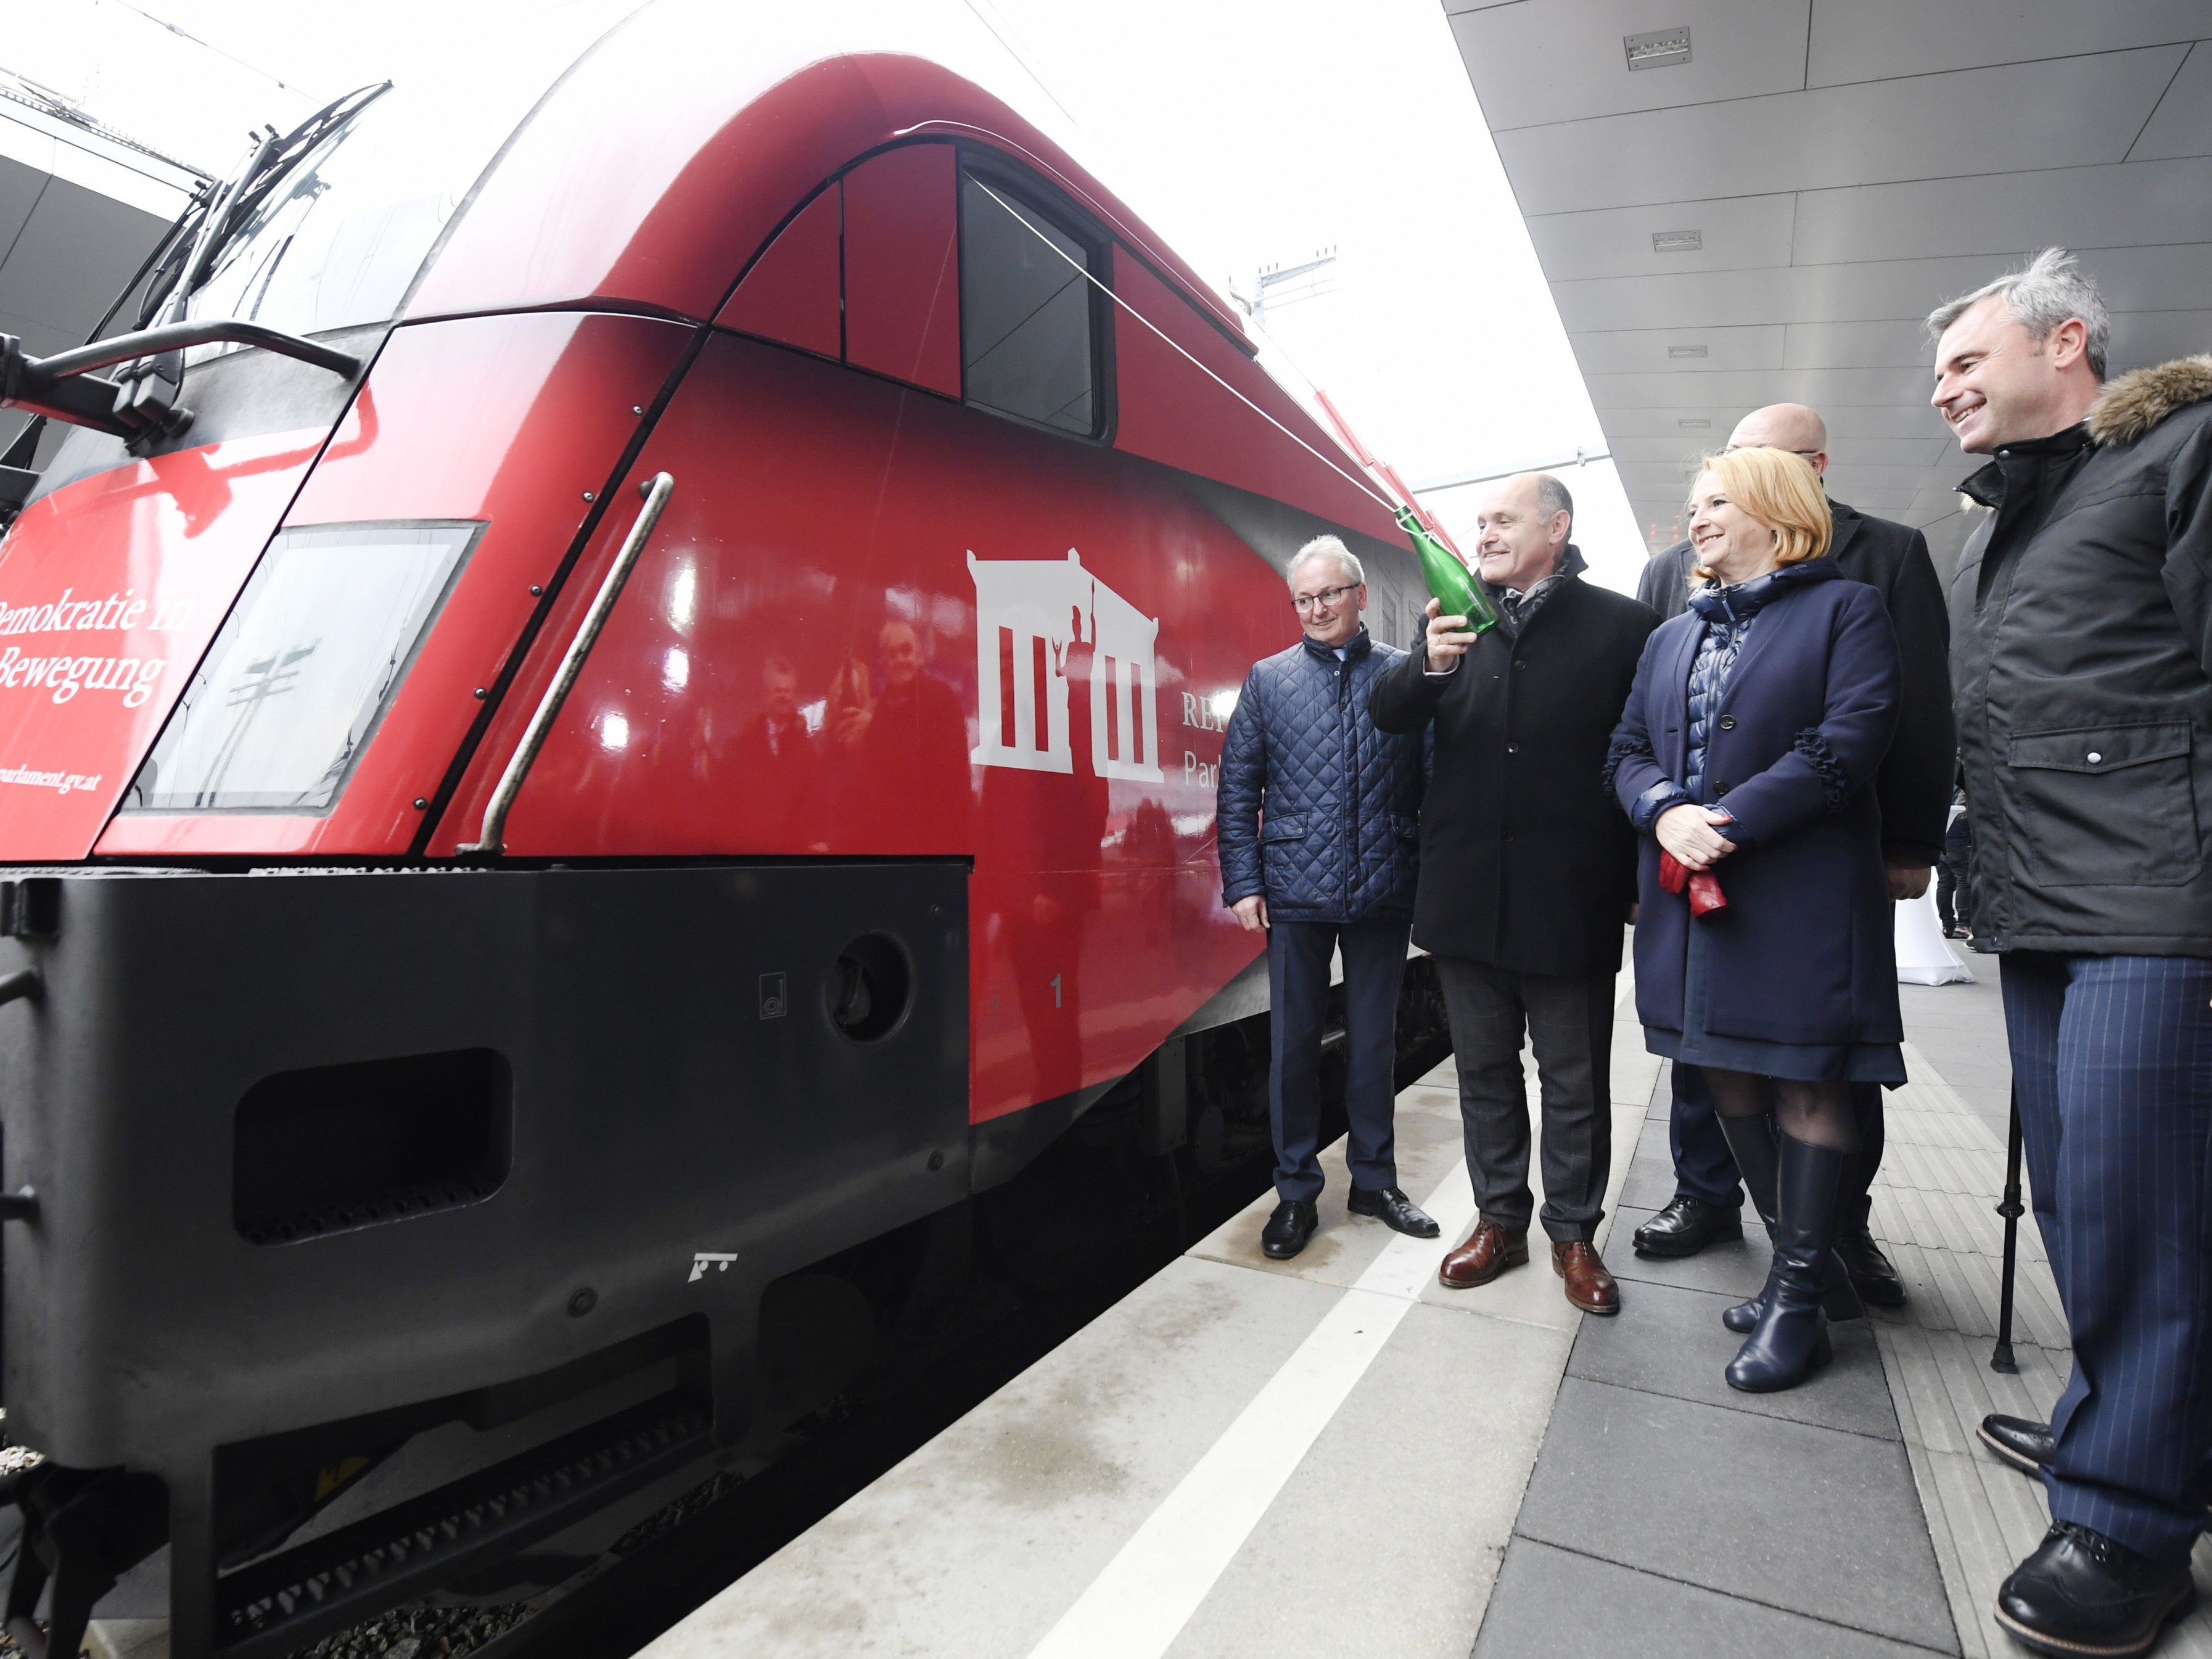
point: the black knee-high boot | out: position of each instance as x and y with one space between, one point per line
1751 1141
1791 1338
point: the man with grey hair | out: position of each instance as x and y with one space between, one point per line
2082 668
1527 875
1316 813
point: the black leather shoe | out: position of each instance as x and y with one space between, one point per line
2027 1446
1872 1276
1287 1230
1686 1226
1394 1210
2083 1593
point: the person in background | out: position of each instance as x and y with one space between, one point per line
2081 657
1914 789
780 759
1316 810
1749 751
1526 874
1952 898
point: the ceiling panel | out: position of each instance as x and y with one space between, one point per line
2140 337
1674 452
1819 388
76 248
2073 207
2175 278
2071 111
38 338
1545 63
1897 290
1877 39
19 184
1882 503
1897 345
1744 230
1846 421
1657 480
1852 479
1630 351
2183 124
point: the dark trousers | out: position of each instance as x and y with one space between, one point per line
2112 1059
1298 954
1569 1023
1703 1168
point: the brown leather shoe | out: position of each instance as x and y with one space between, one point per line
1488 1252
1589 1287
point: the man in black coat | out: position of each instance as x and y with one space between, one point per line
2081 657
1528 872
1914 791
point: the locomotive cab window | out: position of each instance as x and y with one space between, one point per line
1029 323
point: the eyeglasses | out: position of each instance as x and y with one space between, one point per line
1305 602
1737 448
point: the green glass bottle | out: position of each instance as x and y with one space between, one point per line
1452 582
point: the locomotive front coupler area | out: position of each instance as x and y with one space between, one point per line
312 1146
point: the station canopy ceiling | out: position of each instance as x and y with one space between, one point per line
79 209
1767 211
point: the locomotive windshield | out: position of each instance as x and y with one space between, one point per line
339 239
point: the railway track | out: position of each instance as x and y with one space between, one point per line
684 1555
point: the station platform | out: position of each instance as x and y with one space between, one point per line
1335 1454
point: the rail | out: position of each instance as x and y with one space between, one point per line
490 838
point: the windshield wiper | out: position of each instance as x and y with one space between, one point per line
148 391
141 404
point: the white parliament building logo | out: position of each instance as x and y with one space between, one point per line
1029 614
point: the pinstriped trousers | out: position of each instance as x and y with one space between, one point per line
2113 1060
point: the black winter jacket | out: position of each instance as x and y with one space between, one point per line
2082 658
1914 784
1525 862
1314 807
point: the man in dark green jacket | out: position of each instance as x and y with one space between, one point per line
2082 658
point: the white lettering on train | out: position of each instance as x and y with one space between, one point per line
63 677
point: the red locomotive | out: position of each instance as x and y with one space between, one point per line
575 739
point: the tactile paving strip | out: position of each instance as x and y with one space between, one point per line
1934 1211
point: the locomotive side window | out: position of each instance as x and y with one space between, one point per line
1027 328
292 689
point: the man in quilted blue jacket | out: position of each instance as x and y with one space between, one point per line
1318 816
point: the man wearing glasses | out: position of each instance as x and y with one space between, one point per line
1914 785
1317 815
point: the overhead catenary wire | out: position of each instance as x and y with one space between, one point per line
1352 478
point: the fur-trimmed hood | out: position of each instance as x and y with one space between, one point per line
2132 405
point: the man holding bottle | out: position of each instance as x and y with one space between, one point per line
1528 872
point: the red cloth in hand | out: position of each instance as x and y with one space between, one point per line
1704 887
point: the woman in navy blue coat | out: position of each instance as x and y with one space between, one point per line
1747 752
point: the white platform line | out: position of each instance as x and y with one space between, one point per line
1137 1607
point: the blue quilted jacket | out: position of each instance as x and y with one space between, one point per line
1315 808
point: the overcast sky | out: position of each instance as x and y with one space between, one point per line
1247 134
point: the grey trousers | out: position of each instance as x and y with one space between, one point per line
1569 1022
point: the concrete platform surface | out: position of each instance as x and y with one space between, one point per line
1243 1456
1335 1454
